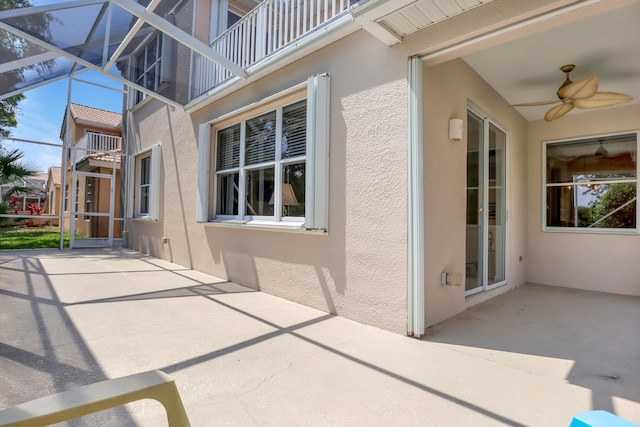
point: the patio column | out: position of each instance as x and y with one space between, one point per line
415 285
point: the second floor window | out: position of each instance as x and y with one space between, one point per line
148 63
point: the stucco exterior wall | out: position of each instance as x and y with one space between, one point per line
359 268
447 90
599 262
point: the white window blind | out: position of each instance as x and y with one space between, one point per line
261 139
228 148
294 138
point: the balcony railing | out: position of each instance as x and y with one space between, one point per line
271 26
94 143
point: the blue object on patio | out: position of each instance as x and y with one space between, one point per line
600 419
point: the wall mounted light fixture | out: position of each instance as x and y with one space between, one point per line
455 130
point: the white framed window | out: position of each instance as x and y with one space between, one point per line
591 184
269 168
151 65
144 184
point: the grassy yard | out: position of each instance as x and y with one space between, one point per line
31 238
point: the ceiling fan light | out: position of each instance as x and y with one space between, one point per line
581 89
601 151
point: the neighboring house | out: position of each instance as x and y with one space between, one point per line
53 202
36 195
313 149
94 138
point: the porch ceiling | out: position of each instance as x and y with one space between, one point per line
599 36
604 45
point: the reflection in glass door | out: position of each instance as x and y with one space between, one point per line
486 205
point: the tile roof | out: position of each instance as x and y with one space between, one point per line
56 174
105 157
96 115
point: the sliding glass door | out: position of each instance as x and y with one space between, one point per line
486 228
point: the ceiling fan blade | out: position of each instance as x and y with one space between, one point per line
558 111
602 99
533 104
581 89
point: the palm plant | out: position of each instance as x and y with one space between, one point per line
14 172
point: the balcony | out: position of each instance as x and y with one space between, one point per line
94 146
268 29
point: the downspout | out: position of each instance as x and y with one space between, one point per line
415 285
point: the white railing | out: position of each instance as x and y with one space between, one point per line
93 143
99 143
272 25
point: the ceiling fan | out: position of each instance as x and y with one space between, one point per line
581 94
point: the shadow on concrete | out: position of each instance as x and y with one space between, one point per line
41 351
594 333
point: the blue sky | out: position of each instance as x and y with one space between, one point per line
42 113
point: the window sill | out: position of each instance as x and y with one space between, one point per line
144 219
148 98
287 227
584 230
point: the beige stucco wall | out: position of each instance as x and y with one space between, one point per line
358 269
600 262
447 90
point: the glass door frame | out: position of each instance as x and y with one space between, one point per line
483 187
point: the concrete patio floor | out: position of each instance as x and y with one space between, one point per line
534 356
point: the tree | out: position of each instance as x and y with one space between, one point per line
14 169
13 48
8 110
610 201
609 207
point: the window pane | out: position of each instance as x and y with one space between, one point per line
144 199
139 66
294 130
259 192
592 206
228 148
151 80
261 138
89 194
145 170
151 52
608 158
227 198
293 195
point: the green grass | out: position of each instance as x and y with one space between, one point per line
31 238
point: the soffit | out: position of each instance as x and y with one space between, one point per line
424 13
